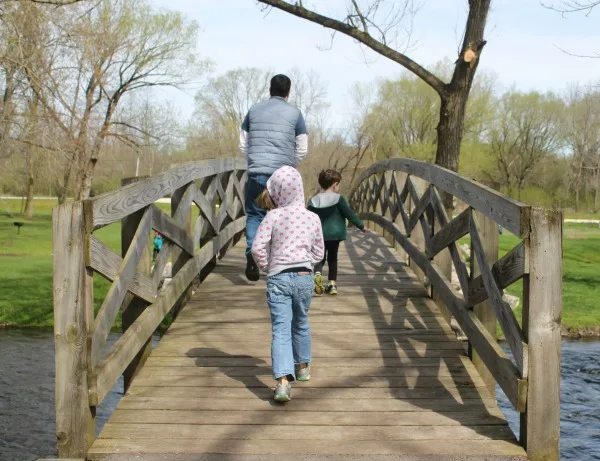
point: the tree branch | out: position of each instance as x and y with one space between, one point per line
298 10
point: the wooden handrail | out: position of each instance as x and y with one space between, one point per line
401 198
85 371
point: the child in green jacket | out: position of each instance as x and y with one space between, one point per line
333 210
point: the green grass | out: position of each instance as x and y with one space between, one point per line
26 265
26 268
581 274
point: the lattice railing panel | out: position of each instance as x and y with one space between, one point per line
207 212
399 207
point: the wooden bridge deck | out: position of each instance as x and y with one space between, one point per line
389 377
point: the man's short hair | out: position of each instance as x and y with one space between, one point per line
280 86
328 178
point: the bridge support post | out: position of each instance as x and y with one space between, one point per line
133 307
73 317
484 311
181 257
542 310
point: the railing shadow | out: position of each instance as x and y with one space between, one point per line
368 252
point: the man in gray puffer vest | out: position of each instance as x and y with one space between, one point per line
273 134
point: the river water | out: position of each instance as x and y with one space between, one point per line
27 398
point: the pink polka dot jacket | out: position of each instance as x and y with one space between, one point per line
290 236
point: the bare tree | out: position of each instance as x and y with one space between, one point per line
527 129
573 6
376 24
582 135
98 58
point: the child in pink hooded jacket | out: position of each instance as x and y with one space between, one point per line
288 243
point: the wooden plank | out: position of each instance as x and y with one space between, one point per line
369 382
123 351
485 311
112 206
116 294
133 307
179 216
509 213
510 268
420 207
449 233
191 350
301 392
75 420
130 402
299 446
459 265
506 317
302 418
170 229
540 426
241 361
106 262
457 370
182 432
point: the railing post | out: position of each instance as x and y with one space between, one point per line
484 311
542 310
180 257
132 306
417 236
73 316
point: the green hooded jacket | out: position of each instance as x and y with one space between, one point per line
333 210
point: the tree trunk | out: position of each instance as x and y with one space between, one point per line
29 200
454 100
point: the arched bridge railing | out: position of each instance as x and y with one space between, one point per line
195 233
402 197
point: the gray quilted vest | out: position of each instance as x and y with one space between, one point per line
272 135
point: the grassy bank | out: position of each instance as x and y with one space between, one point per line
581 276
26 269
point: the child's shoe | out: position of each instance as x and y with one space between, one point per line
331 289
303 374
319 288
283 392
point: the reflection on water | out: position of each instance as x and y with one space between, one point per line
27 429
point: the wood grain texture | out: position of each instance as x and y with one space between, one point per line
507 270
507 212
505 315
106 262
387 375
75 420
115 205
116 294
540 426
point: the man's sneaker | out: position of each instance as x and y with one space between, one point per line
303 374
252 272
319 288
331 289
283 393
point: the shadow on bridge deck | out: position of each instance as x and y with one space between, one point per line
389 378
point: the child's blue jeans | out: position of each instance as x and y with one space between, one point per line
289 296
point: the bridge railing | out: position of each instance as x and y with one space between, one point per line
195 233
403 199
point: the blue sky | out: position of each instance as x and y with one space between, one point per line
523 49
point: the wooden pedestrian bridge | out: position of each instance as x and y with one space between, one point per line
390 379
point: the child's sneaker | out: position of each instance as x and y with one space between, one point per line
283 393
319 288
303 374
331 289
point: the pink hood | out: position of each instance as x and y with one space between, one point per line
285 187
